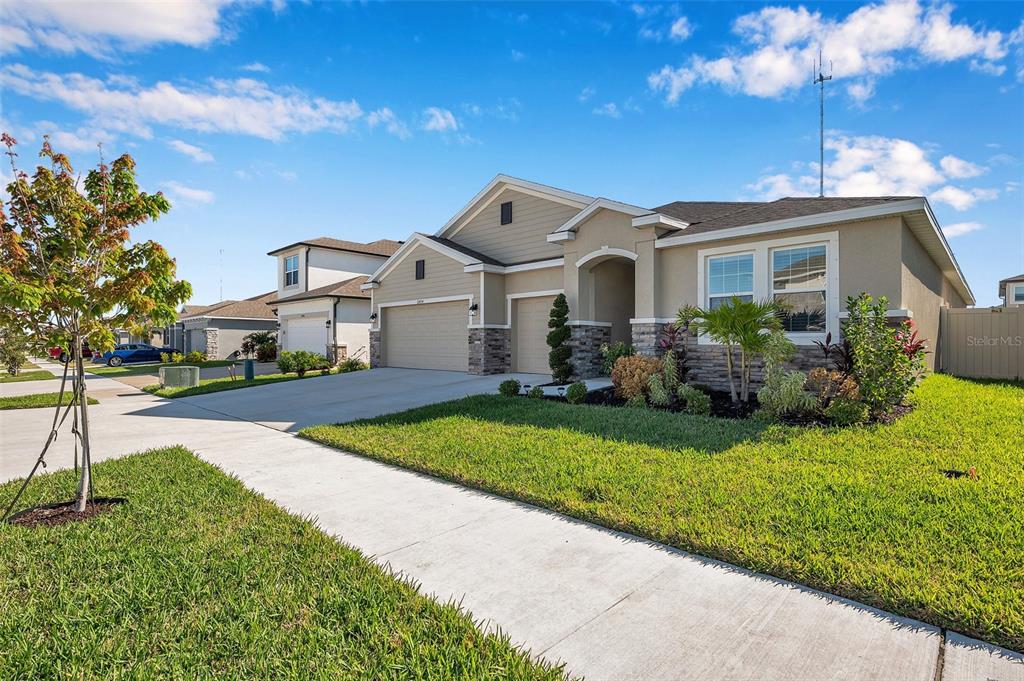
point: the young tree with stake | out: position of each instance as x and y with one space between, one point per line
69 273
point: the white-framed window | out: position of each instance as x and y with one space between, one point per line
799 285
801 272
291 270
1018 294
728 276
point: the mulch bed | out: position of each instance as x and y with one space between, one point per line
53 515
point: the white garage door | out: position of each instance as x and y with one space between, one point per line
306 334
529 335
431 336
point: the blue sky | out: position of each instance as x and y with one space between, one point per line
267 123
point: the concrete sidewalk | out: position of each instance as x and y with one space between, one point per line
610 605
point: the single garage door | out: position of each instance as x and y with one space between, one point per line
430 336
529 334
306 334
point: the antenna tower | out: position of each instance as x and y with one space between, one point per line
819 80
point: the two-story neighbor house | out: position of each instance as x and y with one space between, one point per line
1011 290
475 296
320 304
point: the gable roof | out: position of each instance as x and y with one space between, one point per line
382 247
699 211
502 182
250 308
1004 282
342 289
476 255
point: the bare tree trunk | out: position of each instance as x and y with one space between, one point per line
732 379
744 376
85 478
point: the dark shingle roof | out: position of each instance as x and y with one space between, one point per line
787 208
486 259
342 289
382 247
254 307
1004 282
699 211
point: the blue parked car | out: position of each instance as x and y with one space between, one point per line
131 353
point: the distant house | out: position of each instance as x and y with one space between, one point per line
218 329
1011 290
319 301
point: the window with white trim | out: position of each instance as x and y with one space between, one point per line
799 285
291 270
1018 293
728 276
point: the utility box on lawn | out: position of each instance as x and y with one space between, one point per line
179 377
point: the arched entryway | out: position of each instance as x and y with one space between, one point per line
607 290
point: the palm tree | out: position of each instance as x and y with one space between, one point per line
736 323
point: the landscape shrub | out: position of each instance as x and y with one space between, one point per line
266 353
631 376
831 385
783 391
611 354
510 387
658 395
536 392
195 356
576 393
286 362
695 401
558 339
350 364
846 412
177 358
302 361
637 402
886 362
165 357
263 344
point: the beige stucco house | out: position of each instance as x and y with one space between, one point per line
319 302
1011 290
475 296
218 329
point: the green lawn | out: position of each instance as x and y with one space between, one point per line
38 400
198 576
136 369
27 375
216 385
863 512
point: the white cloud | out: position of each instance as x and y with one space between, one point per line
861 91
779 44
189 193
243 106
436 119
962 199
256 67
681 29
876 166
959 168
961 228
98 27
585 94
518 56
386 117
81 139
197 154
609 109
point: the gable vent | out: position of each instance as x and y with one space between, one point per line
506 213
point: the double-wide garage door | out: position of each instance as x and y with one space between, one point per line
429 336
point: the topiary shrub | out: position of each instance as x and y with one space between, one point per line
844 412
509 388
536 392
611 353
558 340
631 376
576 393
695 401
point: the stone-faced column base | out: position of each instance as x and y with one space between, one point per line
647 338
586 342
211 343
337 354
490 351
374 348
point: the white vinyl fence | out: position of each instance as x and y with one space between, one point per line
982 343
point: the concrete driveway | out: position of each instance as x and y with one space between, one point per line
293 405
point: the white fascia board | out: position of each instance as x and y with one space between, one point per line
557 237
418 239
659 220
596 205
509 269
561 195
369 285
814 220
969 298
